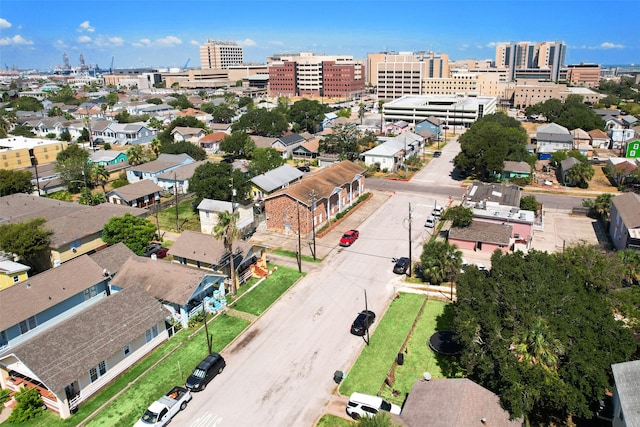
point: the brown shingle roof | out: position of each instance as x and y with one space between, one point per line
112 257
520 167
44 290
323 182
480 231
68 350
628 207
136 190
163 280
448 402
202 247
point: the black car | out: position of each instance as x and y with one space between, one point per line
437 153
401 265
304 168
206 370
363 321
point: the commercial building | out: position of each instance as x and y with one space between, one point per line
307 74
215 54
528 92
583 74
532 60
454 110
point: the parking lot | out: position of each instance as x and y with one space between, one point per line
561 228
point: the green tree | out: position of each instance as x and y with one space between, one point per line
181 102
440 261
29 241
213 181
227 230
308 114
155 101
265 159
65 136
23 130
74 167
489 142
381 419
112 99
245 101
183 147
29 406
238 144
342 141
344 112
580 174
529 203
155 145
15 181
7 120
630 259
135 155
89 198
26 103
557 157
361 111
134 232
601 206
535 345
460 215
99 176
155 123
262 122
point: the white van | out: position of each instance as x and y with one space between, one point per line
364 405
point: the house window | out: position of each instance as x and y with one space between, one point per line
16 278
90 292
126 350
27 325
98 371
3 339
151 333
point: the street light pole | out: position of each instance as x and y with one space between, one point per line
410 262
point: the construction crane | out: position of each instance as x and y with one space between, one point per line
186 64
111 68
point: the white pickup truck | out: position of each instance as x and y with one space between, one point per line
165 408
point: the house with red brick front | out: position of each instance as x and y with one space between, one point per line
314 199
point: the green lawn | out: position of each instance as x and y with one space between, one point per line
333 421
187 218
290 254
261 297
371 368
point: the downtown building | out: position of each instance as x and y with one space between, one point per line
215 54
307 74
528 60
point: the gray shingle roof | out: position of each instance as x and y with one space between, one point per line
520 167
164 161
486 232
291 139
203 247
627 379
136 190
182 173
568 163
112 257
502 194
70 349
628 207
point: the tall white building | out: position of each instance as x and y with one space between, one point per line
215 54
542 61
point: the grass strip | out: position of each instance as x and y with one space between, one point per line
263 296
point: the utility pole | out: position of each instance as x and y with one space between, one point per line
313 220
232 270
366 310
410 261
299 254
175 189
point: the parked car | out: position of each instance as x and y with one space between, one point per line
206 370
364 319
162 410
430 222
364 405
437 211
437 153
304 168
157 250
401 265
349 237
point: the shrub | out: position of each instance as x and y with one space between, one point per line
29 405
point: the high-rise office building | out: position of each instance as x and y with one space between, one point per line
542 61
215 54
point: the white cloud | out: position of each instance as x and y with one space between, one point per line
463 46
494 44
60 44
246 43
142 43
4 23
194 43
116 41
609 45
169 41
15 40
276 43
84 39
86 27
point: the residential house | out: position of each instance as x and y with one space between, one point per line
121 133
180 133
565 166
85 352
203 116
513 170
221 127
12 273
327 121
107 157
179 177
141 194
633 149
620 169
624 223
77 229
263 141
208 210
582 142
551 138
520 221
180 288
446 402
392 154
599 139
482 236
316 197
48 126
211 142
308 150
398 127
431 124
35 304
203 251
274 180
287 143
626 394
151 170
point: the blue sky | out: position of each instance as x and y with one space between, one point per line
166 33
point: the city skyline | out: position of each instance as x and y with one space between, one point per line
34 34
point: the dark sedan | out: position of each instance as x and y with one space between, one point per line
401 265
362 323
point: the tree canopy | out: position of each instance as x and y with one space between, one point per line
440 261
342 141
573 113
238 144
213 181
74 167
265 159
134 232
539 332
262 122
29 241
307 114
489 142
15 181
459 215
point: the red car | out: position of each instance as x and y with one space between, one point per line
349 237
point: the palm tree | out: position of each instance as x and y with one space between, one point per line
135 155
581 174
227 230
440 261
631 260
536 346
155 145
361 112
100 175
